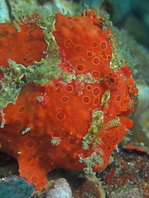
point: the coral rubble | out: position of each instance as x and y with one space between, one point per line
127 175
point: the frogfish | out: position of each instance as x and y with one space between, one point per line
65 93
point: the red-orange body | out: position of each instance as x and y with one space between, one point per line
46 126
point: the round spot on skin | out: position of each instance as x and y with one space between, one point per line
96 91
72 141
60 116
89 87
26 53
95 44
89 54
122 104
34 179
108 148
40 158
64 134
103 45
69 88
86 99
29 172
21 109
105 140
65 99
38 132
117 98
79 49
17 123
115 140
96 101
96 61
109 57
3 34
80 67
29 159
29 144
96 74
68 43
104 57
30 31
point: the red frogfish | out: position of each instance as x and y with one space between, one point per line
65 94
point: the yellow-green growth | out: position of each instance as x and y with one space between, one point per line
121 55
95 160
97 121
40 72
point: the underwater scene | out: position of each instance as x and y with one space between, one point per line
74 99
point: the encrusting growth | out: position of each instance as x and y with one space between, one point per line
62 105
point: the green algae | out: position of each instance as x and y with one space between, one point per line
95 160
11 85
121 55
40 72
105 98
55 141
97 121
